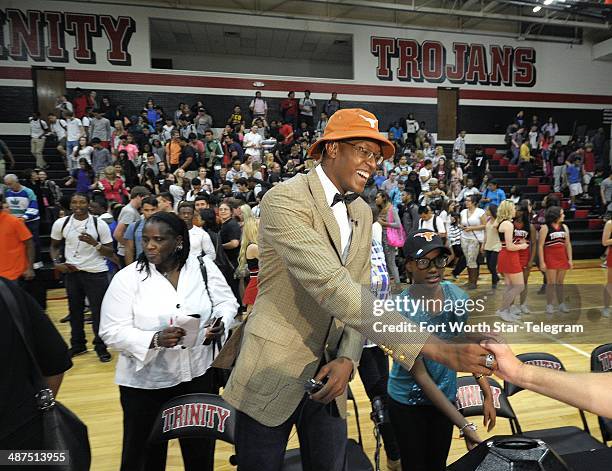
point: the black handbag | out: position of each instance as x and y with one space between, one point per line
62 429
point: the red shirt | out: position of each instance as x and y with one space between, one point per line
13 235
113 191
589 161
80 104
286 130
289 107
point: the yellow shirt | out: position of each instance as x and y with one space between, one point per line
525 155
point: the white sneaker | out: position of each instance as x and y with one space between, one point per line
525 309
515 310
605 312
563 308
550 309
506 315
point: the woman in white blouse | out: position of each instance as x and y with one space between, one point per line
143 309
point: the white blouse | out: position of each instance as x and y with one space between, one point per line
200 242
136 306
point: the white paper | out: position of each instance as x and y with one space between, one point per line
191 325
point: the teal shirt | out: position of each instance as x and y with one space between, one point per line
402 386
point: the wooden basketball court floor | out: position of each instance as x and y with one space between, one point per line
89 390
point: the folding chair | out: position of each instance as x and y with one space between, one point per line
564 440
601 362
209 416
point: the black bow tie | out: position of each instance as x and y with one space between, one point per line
347 198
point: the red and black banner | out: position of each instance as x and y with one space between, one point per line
40 36
474 64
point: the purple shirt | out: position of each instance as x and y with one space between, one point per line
83 180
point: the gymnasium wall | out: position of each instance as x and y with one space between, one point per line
107 48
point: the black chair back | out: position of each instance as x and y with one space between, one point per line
543 360
195 416
470 400
601 362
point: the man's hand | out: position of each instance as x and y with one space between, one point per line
490 413
468 356
472 440
510 368
65 267
28 274
338 373
88 239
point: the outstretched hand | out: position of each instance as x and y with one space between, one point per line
509 368
466 355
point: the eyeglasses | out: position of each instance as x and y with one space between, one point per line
367 154
424 263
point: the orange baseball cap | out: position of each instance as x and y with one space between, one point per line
352 123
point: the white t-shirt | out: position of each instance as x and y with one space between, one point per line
37 128
252 143
74 129
128 215
84 153
473 220
429 224
59 128
78 253
377 232
424 172
199 241
177 193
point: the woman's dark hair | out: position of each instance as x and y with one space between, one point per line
88 168
123 154
149 174
493 209
473 198
551 201
517 191
552 214
177 227
523 207
209 219
424 209
384 196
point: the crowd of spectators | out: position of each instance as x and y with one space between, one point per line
186 155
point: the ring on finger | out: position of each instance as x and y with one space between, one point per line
489 360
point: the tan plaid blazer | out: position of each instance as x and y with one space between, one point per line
306 302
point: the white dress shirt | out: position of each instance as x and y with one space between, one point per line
339 209
136 306
199 241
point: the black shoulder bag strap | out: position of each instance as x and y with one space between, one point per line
14 311
62 429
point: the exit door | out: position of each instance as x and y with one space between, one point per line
49 83
448 100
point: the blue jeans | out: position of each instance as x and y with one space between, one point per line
321 430
70 145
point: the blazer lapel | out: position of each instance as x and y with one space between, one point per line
325 211
356 233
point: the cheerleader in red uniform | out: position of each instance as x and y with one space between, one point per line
508 262
555 244
606 241
249 258
524 232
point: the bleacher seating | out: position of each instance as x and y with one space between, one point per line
585 240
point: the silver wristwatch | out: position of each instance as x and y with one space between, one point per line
470 426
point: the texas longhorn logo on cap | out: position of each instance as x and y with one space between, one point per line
428 236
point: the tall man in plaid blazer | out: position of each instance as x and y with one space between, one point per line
314 305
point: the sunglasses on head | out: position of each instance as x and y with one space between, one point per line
424 263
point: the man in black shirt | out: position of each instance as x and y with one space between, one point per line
20 420
188 159
478 165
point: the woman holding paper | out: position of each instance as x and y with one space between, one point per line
157 312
